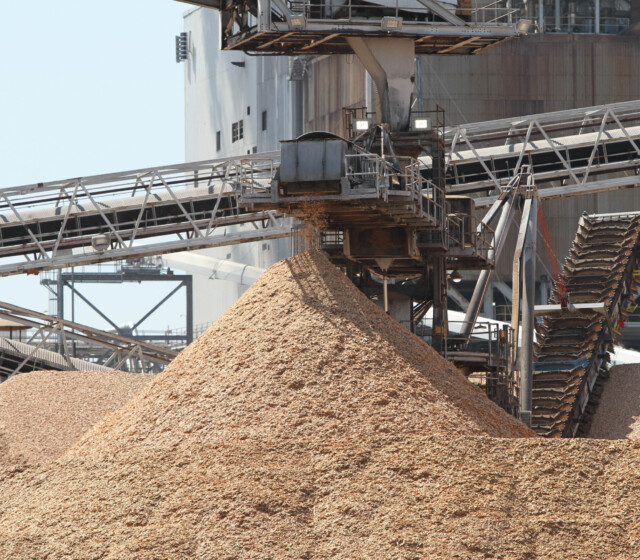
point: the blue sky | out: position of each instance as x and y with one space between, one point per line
88 87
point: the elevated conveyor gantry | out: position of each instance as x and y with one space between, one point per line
573 346
570 153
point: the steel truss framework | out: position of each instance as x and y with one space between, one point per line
161 210
112 217
51 340
570 153
137 271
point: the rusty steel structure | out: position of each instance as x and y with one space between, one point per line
310 27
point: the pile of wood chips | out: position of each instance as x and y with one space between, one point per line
43 413
307 424
618 412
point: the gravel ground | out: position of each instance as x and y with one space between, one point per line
43 413
618 412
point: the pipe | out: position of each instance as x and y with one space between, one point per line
386 296
528 324
220 269
506 205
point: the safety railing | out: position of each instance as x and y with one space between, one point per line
585 24
489 339
254 177
497 12
489 351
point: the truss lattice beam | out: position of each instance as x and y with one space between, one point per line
110 217
49 344
574 148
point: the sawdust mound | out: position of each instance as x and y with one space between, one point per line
302 353
298 428
43 413
618 412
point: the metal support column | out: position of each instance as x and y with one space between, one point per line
188 284
528 304
439 327
264 15
485 275
60 305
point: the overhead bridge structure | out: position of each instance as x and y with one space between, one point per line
53 343
131 214
289 27
191 206
569 153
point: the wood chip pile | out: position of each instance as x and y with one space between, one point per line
303 353
618 412
43 413
306 424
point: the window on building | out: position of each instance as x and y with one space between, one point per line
218 141
248 110
255 149
264 120
237 131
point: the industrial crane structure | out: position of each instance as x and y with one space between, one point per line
393 202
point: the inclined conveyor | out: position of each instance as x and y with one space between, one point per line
573 347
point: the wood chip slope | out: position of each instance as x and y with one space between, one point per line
303 353
302 425
618 412
43 413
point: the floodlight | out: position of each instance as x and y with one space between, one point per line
456 277
100 242
421 123
389 23
361 124
182 47
296 22
522 27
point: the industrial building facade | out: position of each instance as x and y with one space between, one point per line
237 104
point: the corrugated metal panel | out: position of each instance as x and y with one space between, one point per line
333 82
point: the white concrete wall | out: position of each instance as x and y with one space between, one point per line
217 94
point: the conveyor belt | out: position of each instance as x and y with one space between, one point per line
572 348
14 352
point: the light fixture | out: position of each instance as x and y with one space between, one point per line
456 277
522 27
296 22
361 124
389 23
420 123
100 242
182 47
